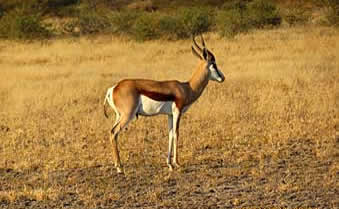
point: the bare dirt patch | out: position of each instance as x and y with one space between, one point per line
296 179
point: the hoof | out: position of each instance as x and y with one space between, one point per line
119 170
177 165
170 167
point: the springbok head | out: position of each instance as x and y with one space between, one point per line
214 73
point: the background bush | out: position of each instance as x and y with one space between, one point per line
172 28
332 11
242 16
145 27
91 21
233 19
141 25
123 21
19 25
296 16
263 13
195 20
150 19
62 8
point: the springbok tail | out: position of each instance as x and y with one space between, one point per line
110 101
108 97
105 112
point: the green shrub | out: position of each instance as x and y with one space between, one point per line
185 23
67 11
123 21
62 8
171 28
90 21
233 19
195 20
145 27
263 13
332 15
238 17
9 5
2 11
295 16
142 25
19 25
235 4
61 3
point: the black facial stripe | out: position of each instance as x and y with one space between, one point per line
218 72
216 69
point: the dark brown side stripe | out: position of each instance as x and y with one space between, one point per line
157 96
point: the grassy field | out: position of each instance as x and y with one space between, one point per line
266 137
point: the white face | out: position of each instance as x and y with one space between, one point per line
215 73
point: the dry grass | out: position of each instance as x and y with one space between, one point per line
266 137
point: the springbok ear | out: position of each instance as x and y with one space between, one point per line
196 53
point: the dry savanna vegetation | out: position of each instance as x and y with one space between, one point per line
266 137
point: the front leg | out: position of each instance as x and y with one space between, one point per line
170 142
176 122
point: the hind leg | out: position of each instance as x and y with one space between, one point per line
114 140
126 102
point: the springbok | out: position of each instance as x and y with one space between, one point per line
132 97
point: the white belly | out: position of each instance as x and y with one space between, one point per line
149 107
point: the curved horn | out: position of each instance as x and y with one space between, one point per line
202 41
196 45
196 53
